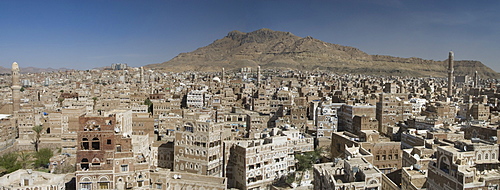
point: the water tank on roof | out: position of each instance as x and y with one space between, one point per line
417 166
493 138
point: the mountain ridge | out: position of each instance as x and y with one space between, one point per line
4 70
277 49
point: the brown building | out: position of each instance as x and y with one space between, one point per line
392 108
347 113
198 148
169 180
466 165
105 155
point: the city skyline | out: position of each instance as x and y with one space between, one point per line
85 35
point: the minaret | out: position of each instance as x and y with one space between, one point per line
142 75
450 73
223 77
476 79
16 88
258 76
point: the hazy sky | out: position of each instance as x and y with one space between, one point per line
88 34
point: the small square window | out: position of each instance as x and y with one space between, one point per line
108 141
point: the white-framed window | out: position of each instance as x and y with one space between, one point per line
124 168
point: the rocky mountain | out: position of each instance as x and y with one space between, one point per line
275 49
31 70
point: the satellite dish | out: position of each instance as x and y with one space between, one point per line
175 176
465 148
411 167
348 157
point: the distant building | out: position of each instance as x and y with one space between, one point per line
119 66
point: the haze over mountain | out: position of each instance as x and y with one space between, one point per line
276 49
32 69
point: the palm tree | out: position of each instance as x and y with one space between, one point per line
25 159
38 130
95 101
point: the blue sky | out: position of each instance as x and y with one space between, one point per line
96 33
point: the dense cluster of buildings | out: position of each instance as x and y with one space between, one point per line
134 128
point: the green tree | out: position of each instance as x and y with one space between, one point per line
9 163
43 157
95 102
60 100
38 132
25 159
306 160
150 105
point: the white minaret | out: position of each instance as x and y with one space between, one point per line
223 76
450 73
16 88
476 80
258 76
142 75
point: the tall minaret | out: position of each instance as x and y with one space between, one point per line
258 76
142 75
476 79
16 88
450 73
223 76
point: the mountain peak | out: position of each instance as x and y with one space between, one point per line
258 36
276 49
235 34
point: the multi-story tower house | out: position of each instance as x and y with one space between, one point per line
442 111
354 173
26 120
347 113
195 99
261 101
297 117
228 99
327 119
69 127
142 136
166 107
479 112
282 97
105 156
256 163
198 148
391 109
386 154
466 165
256 123
8 131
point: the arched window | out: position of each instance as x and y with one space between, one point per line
85 144
95 144
479 156
96 162
444 164
84 164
